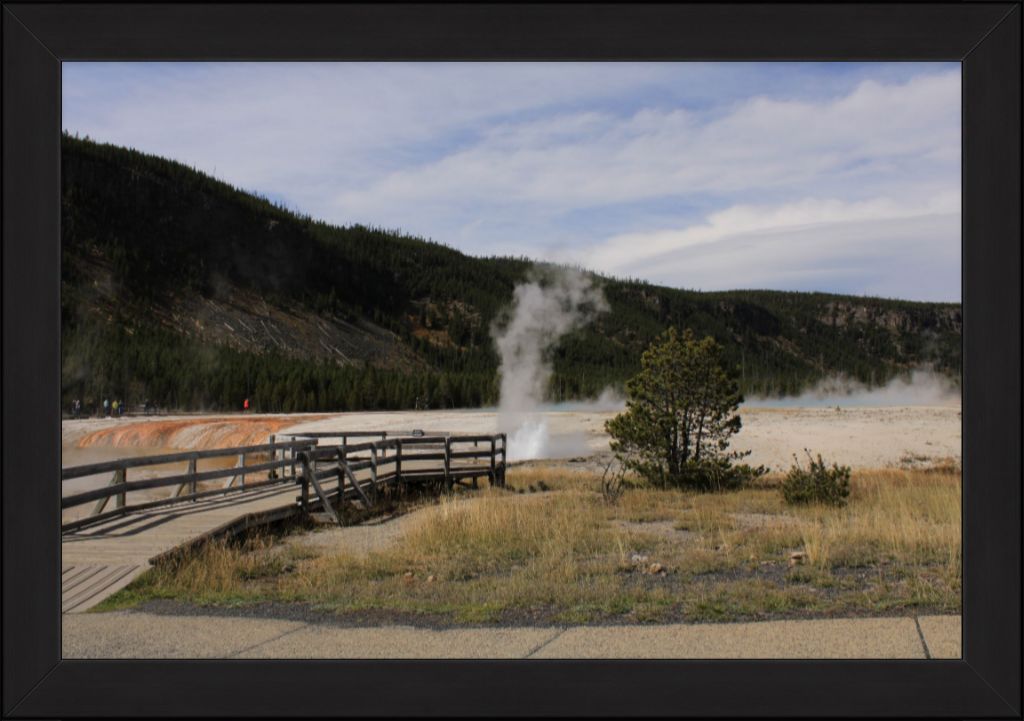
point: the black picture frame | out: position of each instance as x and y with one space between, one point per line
985 37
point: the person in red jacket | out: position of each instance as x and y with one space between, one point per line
245 404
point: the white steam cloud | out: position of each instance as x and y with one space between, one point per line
917 388
542 311
609 399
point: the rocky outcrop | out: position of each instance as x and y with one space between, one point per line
842 314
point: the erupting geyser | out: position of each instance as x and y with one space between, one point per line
542 311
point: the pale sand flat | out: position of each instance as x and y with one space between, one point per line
856 436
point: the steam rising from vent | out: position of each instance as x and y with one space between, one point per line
542 312
917 388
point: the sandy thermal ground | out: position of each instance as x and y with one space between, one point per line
95 440
859 437
184 432
856 436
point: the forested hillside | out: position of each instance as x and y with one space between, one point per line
180 290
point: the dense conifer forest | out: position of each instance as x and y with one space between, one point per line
183 292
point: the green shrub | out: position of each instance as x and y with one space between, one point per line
818 483
713 475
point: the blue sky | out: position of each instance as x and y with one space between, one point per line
840 177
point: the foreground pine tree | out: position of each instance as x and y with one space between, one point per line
680 417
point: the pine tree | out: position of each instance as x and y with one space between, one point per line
680 416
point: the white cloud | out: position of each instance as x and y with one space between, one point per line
900 256
759 176
645 253
261 123
879 134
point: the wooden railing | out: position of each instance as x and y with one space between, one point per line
331 472
186 484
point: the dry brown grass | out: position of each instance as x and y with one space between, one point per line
565 555
901 516
551 475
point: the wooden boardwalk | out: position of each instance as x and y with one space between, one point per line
131 541
105 551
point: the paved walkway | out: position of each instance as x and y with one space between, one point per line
142 635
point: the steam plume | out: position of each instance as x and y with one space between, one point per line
542 311
920 387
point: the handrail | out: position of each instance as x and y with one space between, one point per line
90 469
414 433
89 520
343 464
78 499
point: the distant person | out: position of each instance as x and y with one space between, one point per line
120 408
113 407
245 404
106 406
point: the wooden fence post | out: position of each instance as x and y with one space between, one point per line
504 457
192 472
448 463
304 482
398 461
373 468
476 446
102 502
120 478
343 471
342 458
494 477
341 474
309 477
239 464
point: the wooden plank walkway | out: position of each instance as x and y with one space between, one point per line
104 552
83 586
103 558
137 537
